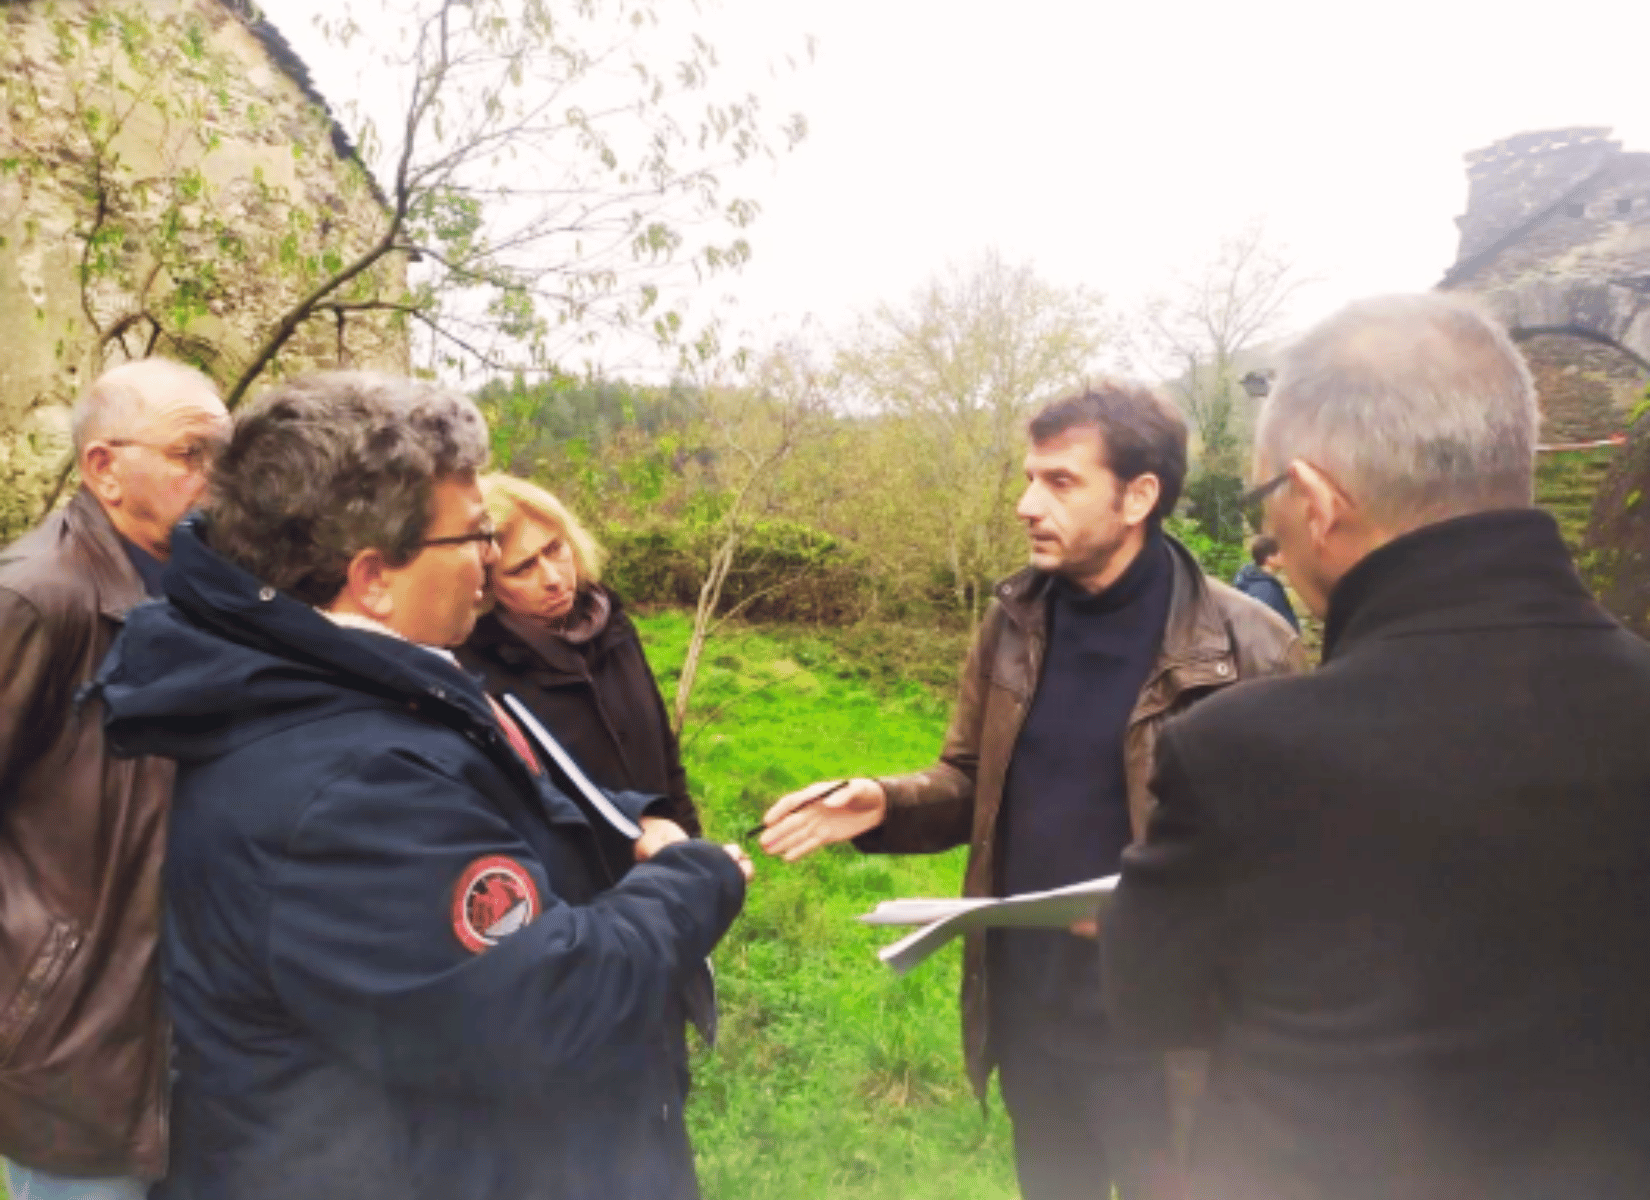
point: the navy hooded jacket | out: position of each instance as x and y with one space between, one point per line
395 964
1262 585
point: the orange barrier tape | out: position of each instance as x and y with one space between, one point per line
1618 439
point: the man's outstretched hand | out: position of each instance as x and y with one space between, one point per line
800 823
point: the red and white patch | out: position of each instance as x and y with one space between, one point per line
494 897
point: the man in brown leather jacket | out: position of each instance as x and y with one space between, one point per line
83 1050
1082 657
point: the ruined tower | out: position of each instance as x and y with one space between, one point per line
1556 239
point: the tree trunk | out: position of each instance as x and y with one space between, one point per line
710 595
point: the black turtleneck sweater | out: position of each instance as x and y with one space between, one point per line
1065 812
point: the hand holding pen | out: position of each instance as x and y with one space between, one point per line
754 830
821 814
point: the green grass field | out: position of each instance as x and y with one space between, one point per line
832 1077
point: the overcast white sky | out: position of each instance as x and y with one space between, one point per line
1111 142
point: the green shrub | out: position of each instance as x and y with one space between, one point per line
782 570
1211 499
1220 559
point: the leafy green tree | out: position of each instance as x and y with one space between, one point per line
552 174
553 171
759 425
955 372
567 425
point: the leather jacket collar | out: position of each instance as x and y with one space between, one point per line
1196 630
119 588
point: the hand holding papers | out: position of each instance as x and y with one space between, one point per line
942 920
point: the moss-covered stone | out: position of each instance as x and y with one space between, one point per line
1615 551
1567 485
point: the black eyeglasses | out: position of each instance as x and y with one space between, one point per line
459 539
1250 503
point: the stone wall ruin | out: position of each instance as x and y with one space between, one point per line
229 189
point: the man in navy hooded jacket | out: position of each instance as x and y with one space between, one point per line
399 963
1259 581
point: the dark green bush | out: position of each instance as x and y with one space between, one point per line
1220 559
782 570
1211 499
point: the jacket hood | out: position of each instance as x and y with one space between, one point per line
225 660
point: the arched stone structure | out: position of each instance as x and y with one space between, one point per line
1616 314
1556 242
1588 381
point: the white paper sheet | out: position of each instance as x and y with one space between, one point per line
942 920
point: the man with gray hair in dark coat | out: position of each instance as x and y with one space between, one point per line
1403 897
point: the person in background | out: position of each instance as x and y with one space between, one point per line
83 1084
396 968
1403 897
1079 662
561 641
1259 579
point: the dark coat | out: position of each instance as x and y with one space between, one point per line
394 967
1404 897
82 1034
599 699
1260 584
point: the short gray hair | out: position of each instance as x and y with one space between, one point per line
1420 406
334 463
117 397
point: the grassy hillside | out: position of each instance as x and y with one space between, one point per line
833 1078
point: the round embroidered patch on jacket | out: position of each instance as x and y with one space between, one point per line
494 897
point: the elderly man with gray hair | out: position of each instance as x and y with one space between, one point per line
83 1049
399 965
1402 898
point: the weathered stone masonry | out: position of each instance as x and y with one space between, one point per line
1556 240
275 192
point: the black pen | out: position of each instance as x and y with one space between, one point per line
835 787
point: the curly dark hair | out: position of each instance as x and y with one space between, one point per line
333 463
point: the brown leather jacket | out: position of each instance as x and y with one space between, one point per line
83 1043
1214 637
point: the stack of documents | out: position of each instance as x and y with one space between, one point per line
942 920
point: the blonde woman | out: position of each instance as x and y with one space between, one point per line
561 641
